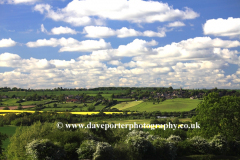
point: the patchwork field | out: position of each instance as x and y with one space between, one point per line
15 107
12 102
127 105
169 105
24 93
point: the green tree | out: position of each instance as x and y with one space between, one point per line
91 108
6 108
170 88
61 98
128 91
112 96
19 106
104 151
218 115
2 138
44 149
87 148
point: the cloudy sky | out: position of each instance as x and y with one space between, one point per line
136 43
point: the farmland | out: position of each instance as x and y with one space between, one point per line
57 93
170 105
13 102
72 107
126 105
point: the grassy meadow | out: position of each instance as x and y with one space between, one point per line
12 102
169 105
126 105
26 93
9 130
138 121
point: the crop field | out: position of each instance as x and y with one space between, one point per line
67 105
12 102
137 121
99 107
16 107
9 130
26 93
2 112
126 105
169 105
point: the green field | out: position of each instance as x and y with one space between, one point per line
126 105
169 105
12 102
123 99
24 93
9 130
141 121
99 107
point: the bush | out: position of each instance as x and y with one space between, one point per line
165 149
199 145
44 149
218 145
184 148
138 133
70 149
140 147
176 121
104 151
19 107
174 139
21 121
162 121
152 137
154 121
91 108
168 132
122 152
6 108
2 138
16 149
233 148
86 150
9 117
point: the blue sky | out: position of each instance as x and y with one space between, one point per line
135 43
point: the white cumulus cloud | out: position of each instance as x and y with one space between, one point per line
176 24
62 30
198 61
58 30
222 27
71 44
7 42
81 12
101 32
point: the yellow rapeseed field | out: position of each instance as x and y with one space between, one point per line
80 113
